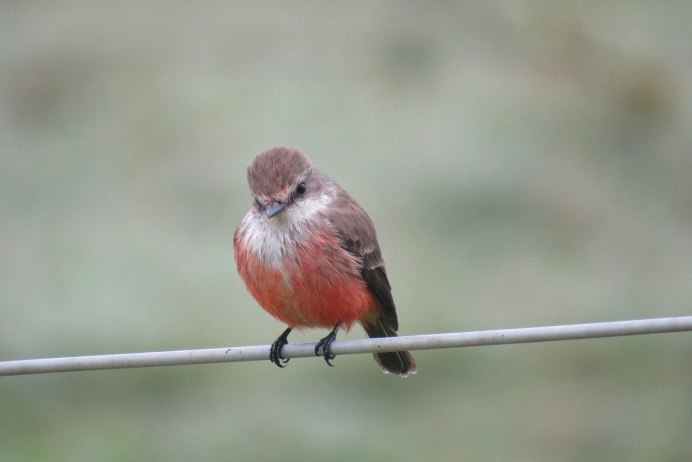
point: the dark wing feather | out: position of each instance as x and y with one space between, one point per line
376 277
358 237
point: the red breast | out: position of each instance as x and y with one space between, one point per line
310 282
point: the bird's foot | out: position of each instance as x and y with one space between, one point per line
326 345
275 350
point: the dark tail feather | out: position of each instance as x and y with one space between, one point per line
397 362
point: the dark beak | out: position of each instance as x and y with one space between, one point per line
274 208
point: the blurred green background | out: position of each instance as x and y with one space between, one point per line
526 163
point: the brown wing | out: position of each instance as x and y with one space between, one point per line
376 277
358 237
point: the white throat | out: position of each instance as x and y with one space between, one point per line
273 239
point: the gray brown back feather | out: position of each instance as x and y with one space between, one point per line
358 237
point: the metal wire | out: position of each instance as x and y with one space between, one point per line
343 347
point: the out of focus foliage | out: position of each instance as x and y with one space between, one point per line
526 163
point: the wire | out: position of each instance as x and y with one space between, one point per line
342 347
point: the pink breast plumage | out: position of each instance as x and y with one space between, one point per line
304 291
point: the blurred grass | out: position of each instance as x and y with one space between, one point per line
526 164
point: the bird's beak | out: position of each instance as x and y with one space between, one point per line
274 208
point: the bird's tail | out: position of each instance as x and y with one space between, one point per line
396 362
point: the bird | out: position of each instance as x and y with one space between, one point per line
308 254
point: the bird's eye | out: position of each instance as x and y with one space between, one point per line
300 189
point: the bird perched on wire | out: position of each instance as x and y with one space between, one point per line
308 254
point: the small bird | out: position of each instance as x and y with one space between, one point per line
308 254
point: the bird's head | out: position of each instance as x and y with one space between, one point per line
282 178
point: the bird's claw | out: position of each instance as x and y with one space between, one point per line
276 347
326 345
275 353
326 348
